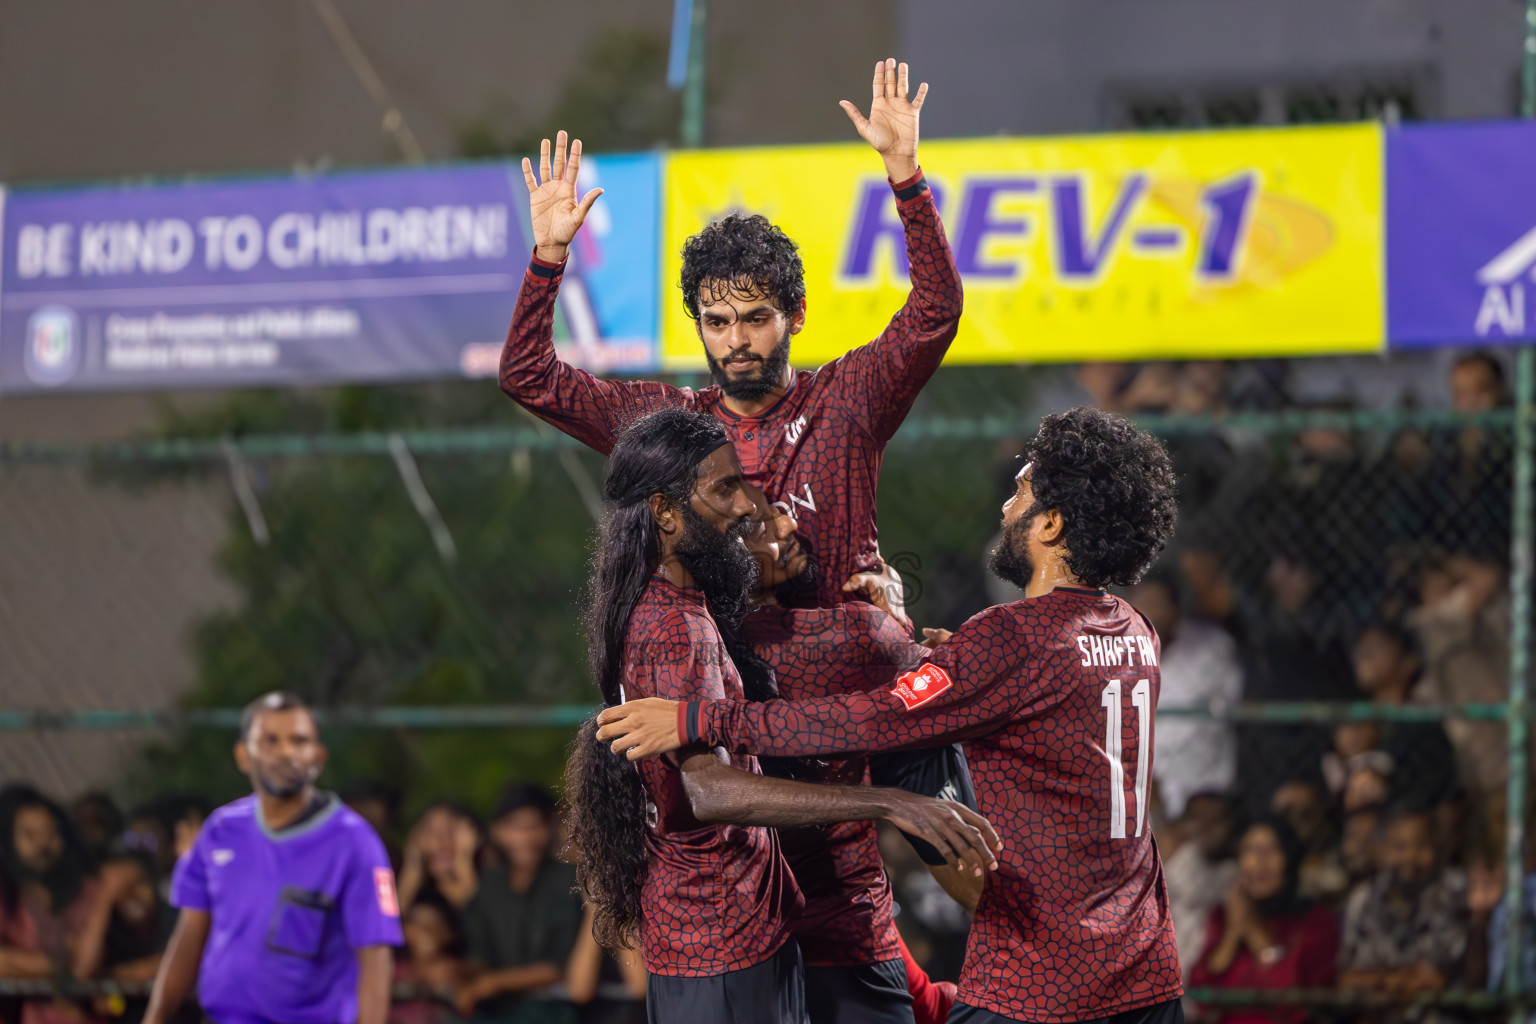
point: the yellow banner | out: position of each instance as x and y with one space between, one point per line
1223 245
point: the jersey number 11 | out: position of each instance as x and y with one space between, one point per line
1141 700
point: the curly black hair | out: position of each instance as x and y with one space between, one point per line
744 252
606 807
1113 485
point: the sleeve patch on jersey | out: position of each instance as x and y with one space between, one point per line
918 687
384 883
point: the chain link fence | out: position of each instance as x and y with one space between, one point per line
1336 610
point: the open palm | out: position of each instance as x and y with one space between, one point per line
553 209
891 127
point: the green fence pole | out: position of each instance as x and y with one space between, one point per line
693 90
1520 607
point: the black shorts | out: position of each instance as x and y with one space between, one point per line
1171 1012
863 994
936 771
772 992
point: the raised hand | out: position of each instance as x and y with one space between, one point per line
892 123
552 204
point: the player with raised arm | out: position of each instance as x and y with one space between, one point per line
1053 695
812 440
681 854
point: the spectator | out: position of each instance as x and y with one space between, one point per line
126 932
1198 867
441 856
1303 803
1405 931
55 893
1357 843
433 960
148 833
98 823
1293 652
183 815
1463 624
524 918
590 967
379 805
1265 936
1199 669
1419 764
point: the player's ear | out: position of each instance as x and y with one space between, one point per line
1050 526
662 513
797 319
322 757
242 759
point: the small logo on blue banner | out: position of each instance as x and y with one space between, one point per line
53 345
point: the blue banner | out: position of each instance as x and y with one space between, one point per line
359 277
1461 234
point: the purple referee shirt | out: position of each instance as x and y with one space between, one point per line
290 909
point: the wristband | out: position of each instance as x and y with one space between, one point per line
688 722
916 187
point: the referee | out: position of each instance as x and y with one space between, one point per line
287 901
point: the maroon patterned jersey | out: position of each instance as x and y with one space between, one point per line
817 451
716 898
817 652
1054 697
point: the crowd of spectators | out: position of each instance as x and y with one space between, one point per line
1332 560
494 931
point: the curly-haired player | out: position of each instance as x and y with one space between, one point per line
812 440
1054 696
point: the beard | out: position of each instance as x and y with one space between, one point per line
799 591
283 785
720 564
760 384
1010 561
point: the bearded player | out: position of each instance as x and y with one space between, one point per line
857 970
811 440
678 853
1053 695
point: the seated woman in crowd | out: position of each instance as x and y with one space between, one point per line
1265 936
51 896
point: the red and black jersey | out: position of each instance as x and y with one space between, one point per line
817 652
817 451
1054 697
717 898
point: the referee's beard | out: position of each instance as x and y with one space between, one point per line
283 784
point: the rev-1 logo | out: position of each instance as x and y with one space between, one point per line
1503 307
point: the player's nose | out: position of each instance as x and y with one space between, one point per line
784 526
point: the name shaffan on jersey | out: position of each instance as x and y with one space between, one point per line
1053 696
816 453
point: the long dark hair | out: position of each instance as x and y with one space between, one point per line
64 879
657 454
605 805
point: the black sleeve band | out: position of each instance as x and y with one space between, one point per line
913 190
693 722
541 271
